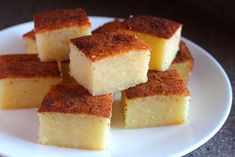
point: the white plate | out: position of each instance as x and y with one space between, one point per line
210 105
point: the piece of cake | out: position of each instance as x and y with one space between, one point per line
162 35
71 117
183 62
24 80
108 62
54 29
108 27
163 100
30 42
64 69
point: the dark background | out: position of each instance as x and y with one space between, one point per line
210 24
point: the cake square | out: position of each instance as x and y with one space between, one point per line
163 100
30 42
183 62
108 27
64 69
24 80
108 62
53 30
162 35
70 116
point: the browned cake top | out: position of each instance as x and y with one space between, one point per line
30 35
107 44
167 83
73 98
156 26
107 27
26 66
183 54
60 18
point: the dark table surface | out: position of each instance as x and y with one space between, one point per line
210 24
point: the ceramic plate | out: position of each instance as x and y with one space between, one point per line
210 106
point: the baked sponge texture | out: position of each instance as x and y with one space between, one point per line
162 35
163 100
54 29
24 80
70 116
108 62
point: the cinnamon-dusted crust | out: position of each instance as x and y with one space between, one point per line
26 66
73 98
167 83
60 18
183 54
107 44
155 26
30 35
108 27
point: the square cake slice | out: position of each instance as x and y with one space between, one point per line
108 27
54 29
162 35
64 69
163 100
70 116
30 42
24 80
108 62
183 62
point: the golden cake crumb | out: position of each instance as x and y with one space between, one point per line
108 27
167 83
60 18
30 35
26 66
102 45
183 54
155 26
73 98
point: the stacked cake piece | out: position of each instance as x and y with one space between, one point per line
24 80
54 29
108 62
141 56
103 64
164 99
71 117
162 35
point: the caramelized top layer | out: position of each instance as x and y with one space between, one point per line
183 54
167 83
30 35
107 44
108 27
26 66
155 26
73 98
60 18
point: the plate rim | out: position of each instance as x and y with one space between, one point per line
202 50
222 122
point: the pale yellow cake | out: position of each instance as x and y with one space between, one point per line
71 117
108 62
162 35
24 80
109 26
54 29
163 100
183 62
30 42
64 69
